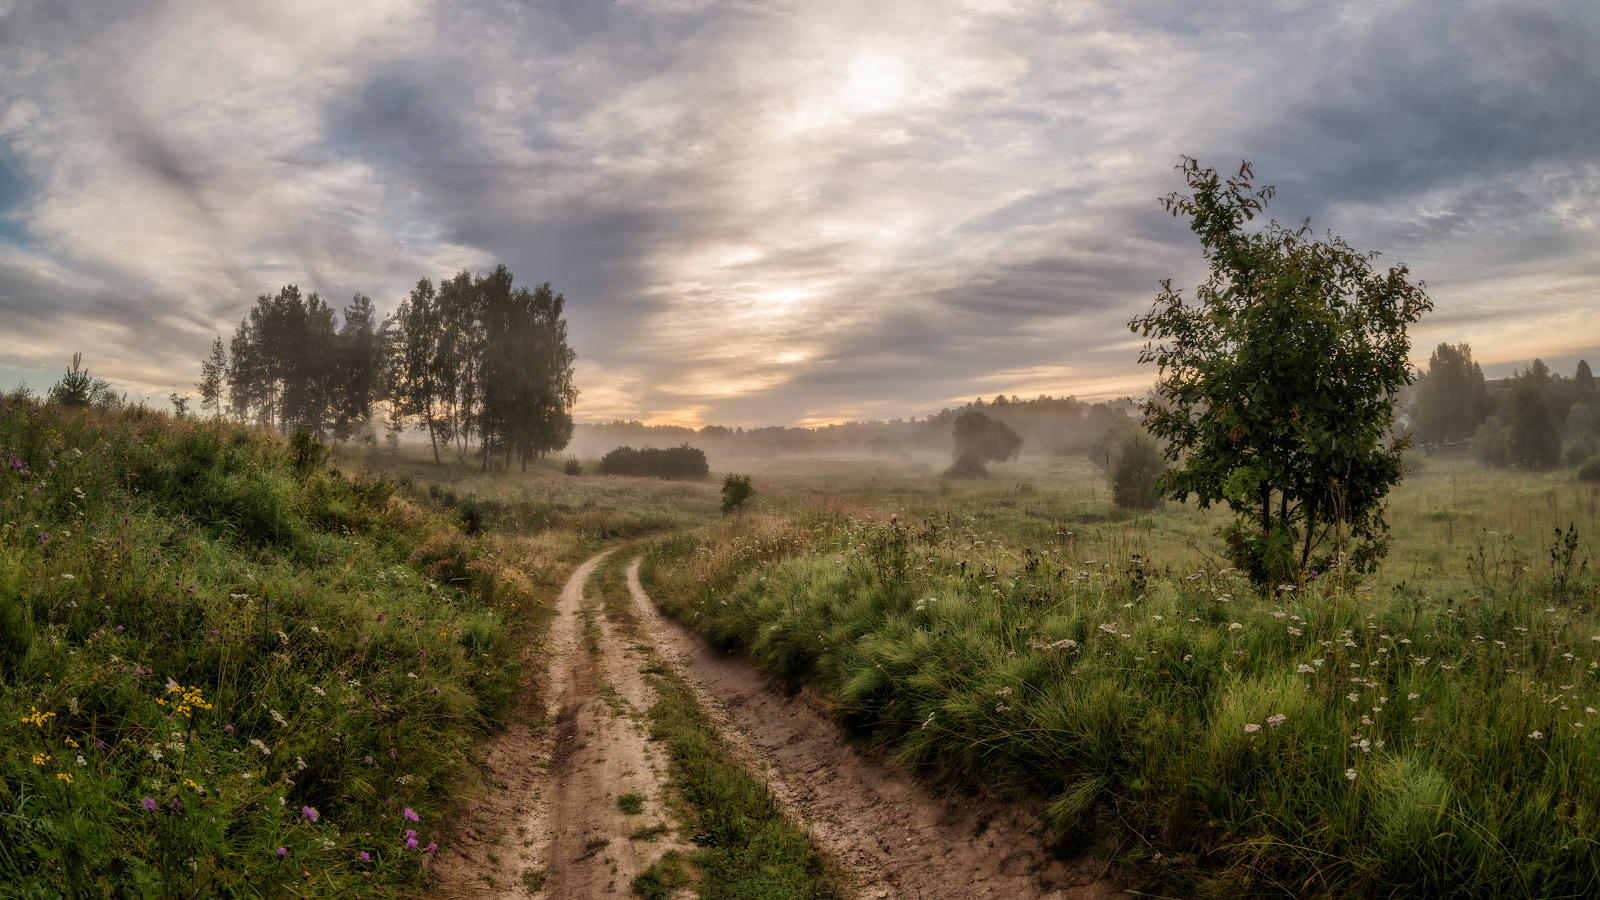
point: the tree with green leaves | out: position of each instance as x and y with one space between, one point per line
80 389
1275 389
980 439
1524 432
1452 398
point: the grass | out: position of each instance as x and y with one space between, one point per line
227 670
631 803
1426 731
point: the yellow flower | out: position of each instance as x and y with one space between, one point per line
63 776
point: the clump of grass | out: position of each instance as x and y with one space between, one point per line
631 803
533 880
1412 739
665 875
218 668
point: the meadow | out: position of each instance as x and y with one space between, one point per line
1424 731
233 666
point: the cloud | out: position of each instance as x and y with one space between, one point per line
763 212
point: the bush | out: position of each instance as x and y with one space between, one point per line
967 465
1134 472
573 467
683 462
736 492
1590 470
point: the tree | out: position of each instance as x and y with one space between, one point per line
78 388
980 439
357 366
1452 399
736 492
1275 390
1523 432
1136 472
213 371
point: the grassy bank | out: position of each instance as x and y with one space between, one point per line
228 668
1425 732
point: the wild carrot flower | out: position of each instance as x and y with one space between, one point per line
1350 774
1251 728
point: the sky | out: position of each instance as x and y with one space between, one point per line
780 211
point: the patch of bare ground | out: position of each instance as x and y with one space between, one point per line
552 825
896 837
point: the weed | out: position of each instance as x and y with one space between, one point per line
631 803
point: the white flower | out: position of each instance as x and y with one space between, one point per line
1275 721
67 575
1304 669
1353 698
1350 774
1295 631
278 717
155 754
84 762
1003 692
256 743
1109 629
1251 728
1235 626
1317 663
1537 735
299 763
1413 696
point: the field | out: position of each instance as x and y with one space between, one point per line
1424 731
236 666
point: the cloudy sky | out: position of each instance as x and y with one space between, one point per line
780 211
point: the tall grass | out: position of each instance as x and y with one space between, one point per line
227 670
1429 732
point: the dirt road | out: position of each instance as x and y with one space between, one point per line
552 826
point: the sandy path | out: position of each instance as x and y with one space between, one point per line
552 826
897 838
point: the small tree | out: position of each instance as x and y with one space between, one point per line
736 492
78 388
1275 392
1136 472
978 440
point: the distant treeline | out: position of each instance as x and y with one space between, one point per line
1536 419
476 360
1050 425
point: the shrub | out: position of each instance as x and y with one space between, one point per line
1134 473
573 467
1590 470
736 492
683 462
967 465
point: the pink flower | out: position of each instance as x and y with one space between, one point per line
282 852
393 754
148 803
309 813
410 815
364 857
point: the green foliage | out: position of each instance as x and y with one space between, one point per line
985 438
967 465
631 803
225 672
1103 452
1136 473
1590 469
674 462
1322 742
77 388
1452 398
736 492
1523 433
572 467
1274 392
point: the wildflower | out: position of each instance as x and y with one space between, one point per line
256 743
282 852
64 776
155 754
1275 720
1353 698
1350 774
1295 631
1537 735
1235 626
299 764
1109 629
1413 696
1304 669
67 576
309 813
364 856
431 847
410 816
278 717
227 729
1251 728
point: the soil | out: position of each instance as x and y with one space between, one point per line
552 827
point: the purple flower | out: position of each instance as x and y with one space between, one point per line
410 815
393 754
411 843
364 857
176 805
43 538
148 803
380 617
227 729
422 653
432 846
309 813
282 852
